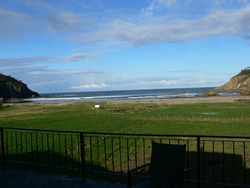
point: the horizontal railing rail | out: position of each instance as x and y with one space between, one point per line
210 159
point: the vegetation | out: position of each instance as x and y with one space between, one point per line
229 119
110 154
9 79
245 71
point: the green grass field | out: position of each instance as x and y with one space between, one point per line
116 154
228 119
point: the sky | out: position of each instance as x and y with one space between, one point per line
100 45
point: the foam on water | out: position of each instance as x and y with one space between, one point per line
121 95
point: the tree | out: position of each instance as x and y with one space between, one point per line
245 71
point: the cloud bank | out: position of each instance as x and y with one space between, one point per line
161 21
139 29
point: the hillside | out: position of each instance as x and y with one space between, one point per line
13 88
239 84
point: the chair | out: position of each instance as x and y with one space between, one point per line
166 167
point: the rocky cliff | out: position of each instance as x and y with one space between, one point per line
239 84
13 88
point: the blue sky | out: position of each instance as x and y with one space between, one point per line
80 45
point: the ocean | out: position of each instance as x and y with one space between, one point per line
120 95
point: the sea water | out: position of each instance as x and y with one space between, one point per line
121 95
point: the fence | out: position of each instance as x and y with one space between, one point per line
211 159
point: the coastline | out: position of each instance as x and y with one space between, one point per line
208 99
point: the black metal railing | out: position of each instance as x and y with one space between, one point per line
211 159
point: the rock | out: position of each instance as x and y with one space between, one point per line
237 84
210 93
13 88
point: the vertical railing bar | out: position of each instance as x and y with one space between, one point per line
128 156
72 151
21 146
42 149
144 154
98 153
105 154
112 154
213 164
59 150
79 151
83 164
6 144
188 158
198 162
3 149
245 167
11 145
234 160
135 145
203 162
31 144
26 140
223 161
66 151
53 149
17 154
48 146
37 149
91 152
120 153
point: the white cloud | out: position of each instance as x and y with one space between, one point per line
64 22
10 62
190 6
8 15
136 29
89 86
14 25
81 57
158 83
229 23
157 5
10 23
197 81
74 58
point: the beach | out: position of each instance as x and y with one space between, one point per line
170 101
210 99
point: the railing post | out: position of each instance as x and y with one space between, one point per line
129 179
2 152
198 161
82 156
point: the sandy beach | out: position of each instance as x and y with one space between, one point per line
210 99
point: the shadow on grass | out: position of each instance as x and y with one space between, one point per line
215 168
220 167
56 163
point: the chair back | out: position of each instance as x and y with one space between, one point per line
167 161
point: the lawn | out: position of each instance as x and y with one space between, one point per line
228 119
117 154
